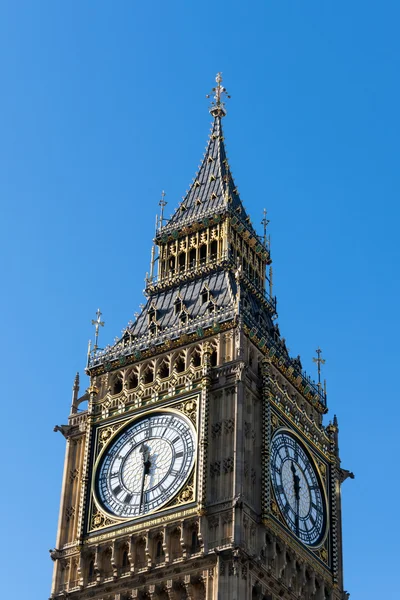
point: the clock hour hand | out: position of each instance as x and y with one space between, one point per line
145 450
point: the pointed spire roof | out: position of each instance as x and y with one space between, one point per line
213 189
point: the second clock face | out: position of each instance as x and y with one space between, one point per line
146 465
297 488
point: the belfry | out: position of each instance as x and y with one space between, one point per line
201 468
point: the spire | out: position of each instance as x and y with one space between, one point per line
213 189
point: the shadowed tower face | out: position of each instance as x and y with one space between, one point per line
201 468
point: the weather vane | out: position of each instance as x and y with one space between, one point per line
320 361
97 323
217 105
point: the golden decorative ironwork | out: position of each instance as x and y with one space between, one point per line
100 520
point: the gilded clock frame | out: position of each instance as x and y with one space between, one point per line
321 466
187 407
321 482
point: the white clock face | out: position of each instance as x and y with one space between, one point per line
297 488
146 465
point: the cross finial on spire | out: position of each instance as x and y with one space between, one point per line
97 323
320 361
217 105
265 222
163 203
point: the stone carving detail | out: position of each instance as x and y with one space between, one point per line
99 520
215 468
240 371
216 429
228 465
69 513
229 425
73 474
106 433
189 408
253 476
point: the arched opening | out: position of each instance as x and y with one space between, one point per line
213 358
132 381
159 549
203 254
214 249
82 406
196 358
180 364
178 306
171 264
116 387
91 573
192 257
182 260
211 306
148 375
125 559
163 371
195 544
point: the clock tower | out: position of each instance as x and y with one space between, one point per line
197 463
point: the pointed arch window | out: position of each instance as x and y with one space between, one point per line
153 327
214 249
133 381
182 261
203 253
159 549
192 257
180 364
183 317
205 295
116 387
163 371
152 314
125 560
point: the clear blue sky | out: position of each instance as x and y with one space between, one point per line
102 106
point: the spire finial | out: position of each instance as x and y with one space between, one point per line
265 222
320 361
163 203
217 108
97 323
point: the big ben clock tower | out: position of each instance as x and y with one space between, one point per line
201 468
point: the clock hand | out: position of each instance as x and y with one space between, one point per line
296 487
145 450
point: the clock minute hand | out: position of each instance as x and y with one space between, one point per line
145 450
296 487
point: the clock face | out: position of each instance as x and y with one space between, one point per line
297 488
146 464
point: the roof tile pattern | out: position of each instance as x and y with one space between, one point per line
213 187
190 294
